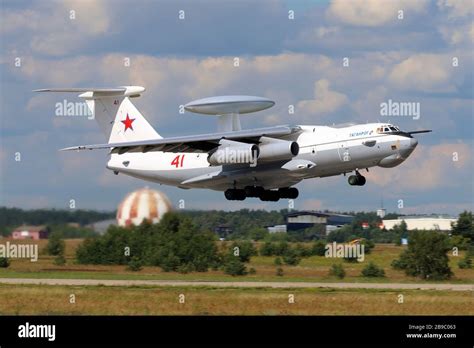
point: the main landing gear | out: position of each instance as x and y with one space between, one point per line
260 192
356 180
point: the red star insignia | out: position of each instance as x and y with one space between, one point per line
128 123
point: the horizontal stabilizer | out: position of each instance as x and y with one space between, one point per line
123 91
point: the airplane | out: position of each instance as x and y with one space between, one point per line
264 162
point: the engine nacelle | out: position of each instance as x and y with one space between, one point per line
233 152
276 149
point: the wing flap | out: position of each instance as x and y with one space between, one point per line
204 178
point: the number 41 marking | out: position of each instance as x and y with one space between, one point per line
177 161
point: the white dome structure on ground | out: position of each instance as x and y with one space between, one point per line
143 204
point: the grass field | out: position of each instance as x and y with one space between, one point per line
49 300
147 300
310 269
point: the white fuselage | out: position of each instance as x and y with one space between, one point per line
323 151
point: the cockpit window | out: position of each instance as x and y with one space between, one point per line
387 129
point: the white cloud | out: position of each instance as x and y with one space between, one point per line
368 107
457 8
287 78
372 13
91 16
61 72
174 81
20 20
317 34
378 72
27 201
325 100
430 208
428 168
425 72
58 27
272 119
311 204
458 35
56 44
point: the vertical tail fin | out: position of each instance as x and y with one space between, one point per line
117 117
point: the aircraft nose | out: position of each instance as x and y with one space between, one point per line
408 146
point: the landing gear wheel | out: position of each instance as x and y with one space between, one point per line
356 180
240 195
235 195
270 195
288 192
352 180
253 191
229 194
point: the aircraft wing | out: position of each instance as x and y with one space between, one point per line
192 143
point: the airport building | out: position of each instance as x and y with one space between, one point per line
381 213
277 229
30 232
441 223
305 219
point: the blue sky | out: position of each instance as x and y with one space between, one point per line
292 61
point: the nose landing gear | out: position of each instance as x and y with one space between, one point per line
356 180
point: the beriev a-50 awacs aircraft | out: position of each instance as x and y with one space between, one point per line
262 162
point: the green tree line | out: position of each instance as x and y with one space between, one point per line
10 218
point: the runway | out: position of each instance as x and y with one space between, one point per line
237 284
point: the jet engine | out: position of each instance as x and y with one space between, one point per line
276 149
233 152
